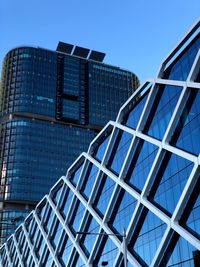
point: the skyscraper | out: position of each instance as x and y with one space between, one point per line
141 173
52 104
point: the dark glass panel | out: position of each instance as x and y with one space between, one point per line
122 211
180 68
140 164
170 180
147 236
103 194
161 110
119 151
180 253
132 118
187 132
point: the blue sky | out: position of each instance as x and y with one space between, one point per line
135 35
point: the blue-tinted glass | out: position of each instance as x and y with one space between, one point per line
119 151
191 215
179 70
186 135
71 109
149 236
161 110
55 232
56 193
76 175
181 254
108 254
89 240
135 113
122 211
89 180
140 164
193 221
77 216
170 181
102 148
104 193
65 202
64 250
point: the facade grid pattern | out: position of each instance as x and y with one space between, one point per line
156 133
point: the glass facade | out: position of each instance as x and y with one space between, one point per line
47 119
137 185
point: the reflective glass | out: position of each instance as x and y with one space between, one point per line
134 115
107 253
119 151
142 158
103 194
170 180
147 236
122 211
100 150
89 180
180 68
88 240
161 110
181 254
186 135
65 202
76 216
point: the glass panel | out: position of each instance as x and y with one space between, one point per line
186 135
103 194
89 180
143 157
76 175
170 181
65 202
76 216
56 193
64 250
119 151
87 240
147 236
191 215
134 115
100 150
71 109
55 233
161 110
107 253
180 253
122 211
179 69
